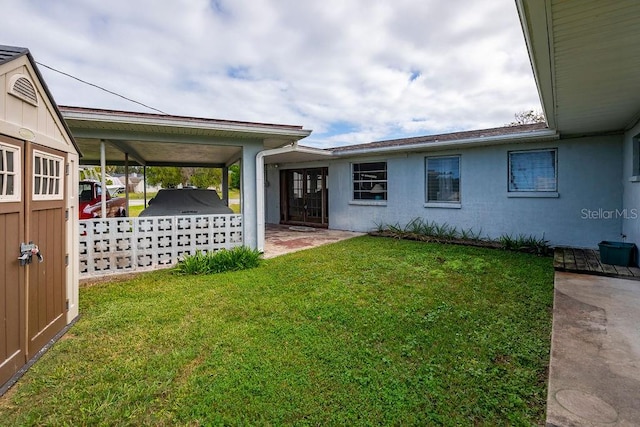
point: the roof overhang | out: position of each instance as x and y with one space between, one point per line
300 154
543 135
296 154
163 140
585 59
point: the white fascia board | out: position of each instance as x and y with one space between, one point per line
539 136
175 122
537 27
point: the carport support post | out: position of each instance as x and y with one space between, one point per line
225 185
249 195
103 179
126 181
144 178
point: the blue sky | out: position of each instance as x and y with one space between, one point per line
352 71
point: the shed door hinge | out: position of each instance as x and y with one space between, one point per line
66 169
67 304
66 215
66 260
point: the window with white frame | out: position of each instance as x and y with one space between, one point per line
533 171
47 176
370 181
9 173
443 179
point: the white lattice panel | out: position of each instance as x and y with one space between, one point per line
120 245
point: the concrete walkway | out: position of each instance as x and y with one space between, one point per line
284 239
594 372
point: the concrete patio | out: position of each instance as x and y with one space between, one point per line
283 239
594 372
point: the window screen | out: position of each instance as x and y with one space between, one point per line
443 179
533 170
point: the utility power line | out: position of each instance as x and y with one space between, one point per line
100 87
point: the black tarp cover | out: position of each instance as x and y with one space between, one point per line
185 201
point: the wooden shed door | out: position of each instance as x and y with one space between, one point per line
46 227
32 208
12 276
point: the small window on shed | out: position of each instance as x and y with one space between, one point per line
47 176
21 87
9 173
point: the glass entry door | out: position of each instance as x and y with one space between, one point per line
304 196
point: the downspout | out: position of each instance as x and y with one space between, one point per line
260 223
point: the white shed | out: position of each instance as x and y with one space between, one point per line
38 215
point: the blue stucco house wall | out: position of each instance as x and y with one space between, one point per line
586 208
631 184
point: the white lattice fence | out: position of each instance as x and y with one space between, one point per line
121 245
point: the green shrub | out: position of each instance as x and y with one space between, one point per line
238 258
522 243
419 229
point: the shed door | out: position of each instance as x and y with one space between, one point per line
46 227
32 208
12 276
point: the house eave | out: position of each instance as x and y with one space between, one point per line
536 28
538 136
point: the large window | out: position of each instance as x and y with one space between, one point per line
531 171
370 181
9 173
443 179
47 176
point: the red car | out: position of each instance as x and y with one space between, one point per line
91 202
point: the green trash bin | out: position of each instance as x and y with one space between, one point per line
617 253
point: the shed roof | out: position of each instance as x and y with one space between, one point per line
10 53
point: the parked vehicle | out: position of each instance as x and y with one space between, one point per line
186 201
90 195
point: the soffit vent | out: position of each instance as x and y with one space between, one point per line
21 87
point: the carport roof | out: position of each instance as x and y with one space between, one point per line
166 140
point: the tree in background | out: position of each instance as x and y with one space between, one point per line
206 177
528 117
167 177
234 180
171 177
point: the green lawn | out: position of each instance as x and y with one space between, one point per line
369 331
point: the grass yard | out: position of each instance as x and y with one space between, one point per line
134 211
368 331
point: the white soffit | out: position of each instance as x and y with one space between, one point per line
586 57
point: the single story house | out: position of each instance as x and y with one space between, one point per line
574 181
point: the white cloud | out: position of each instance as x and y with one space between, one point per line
369 69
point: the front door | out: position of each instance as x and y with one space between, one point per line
304 196
32 209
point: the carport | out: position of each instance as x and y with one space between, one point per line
108 137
